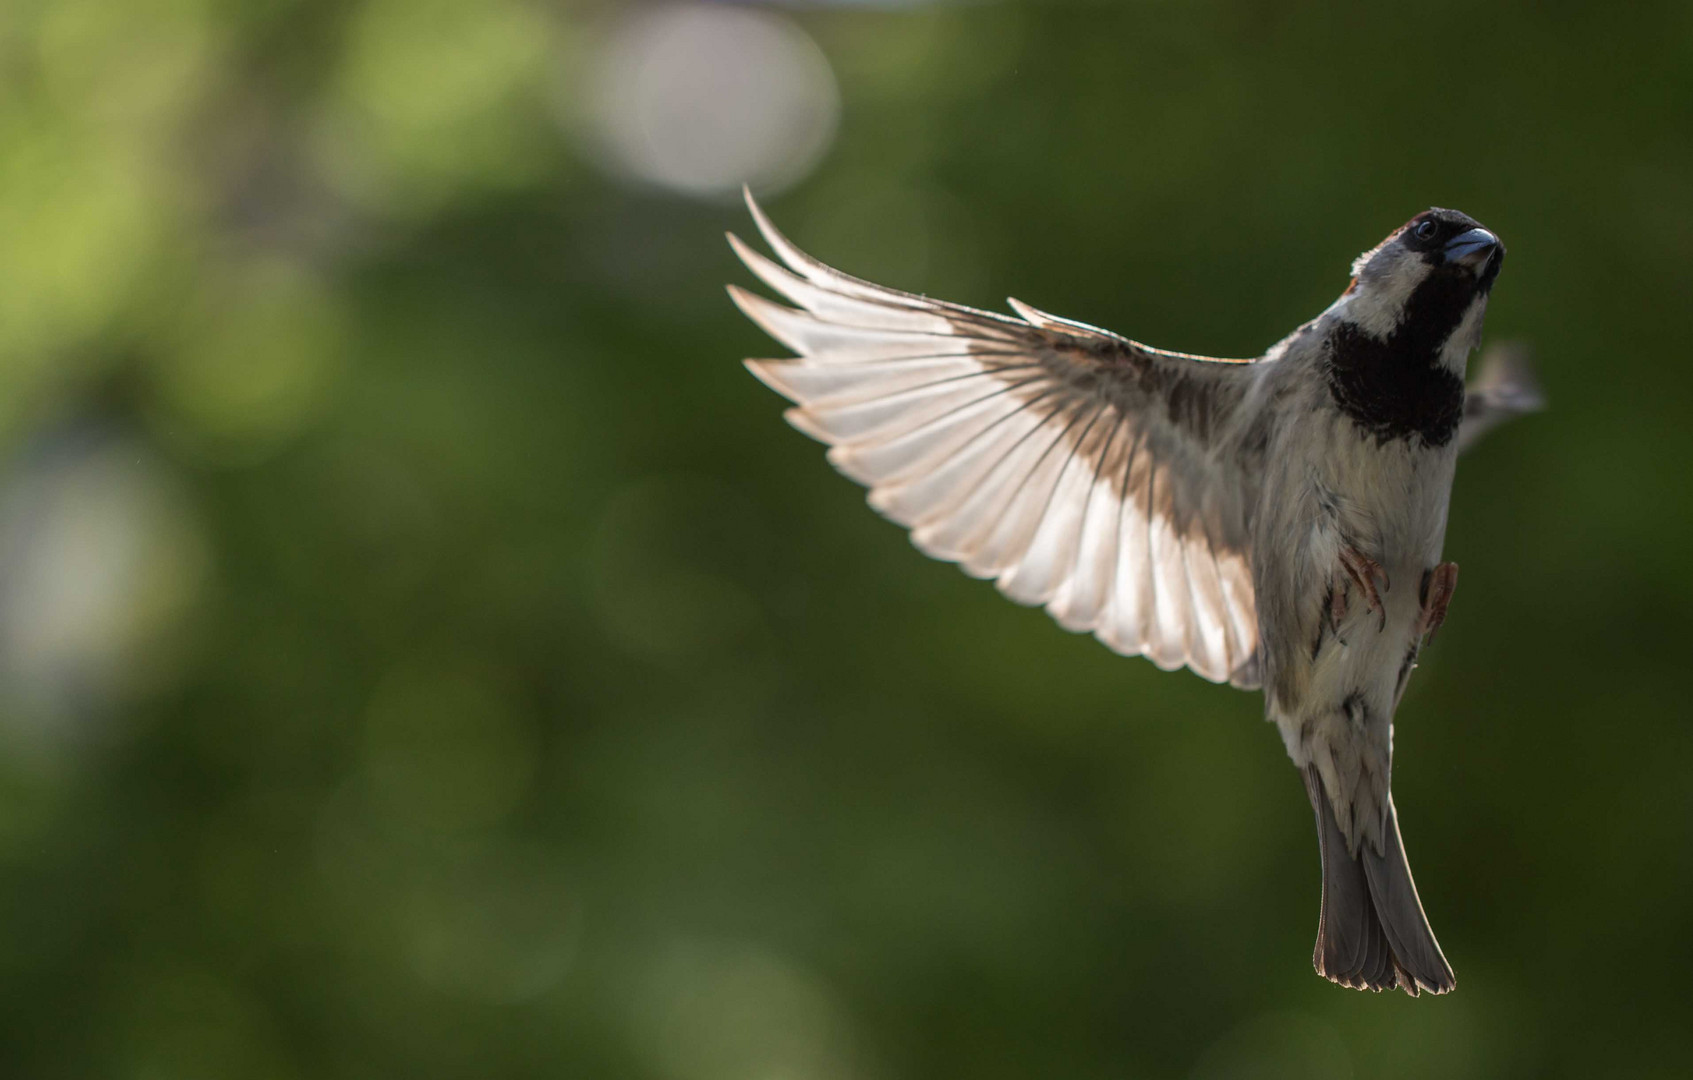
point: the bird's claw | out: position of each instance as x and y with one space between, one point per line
1370 578
1438 586
1337 608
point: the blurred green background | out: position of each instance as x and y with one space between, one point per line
424 651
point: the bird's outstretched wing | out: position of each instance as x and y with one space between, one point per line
1504 388
1100 478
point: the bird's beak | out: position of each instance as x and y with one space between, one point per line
1471 249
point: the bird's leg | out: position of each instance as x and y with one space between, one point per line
1337 605
1365 572
1438 586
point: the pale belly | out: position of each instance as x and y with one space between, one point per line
1332 684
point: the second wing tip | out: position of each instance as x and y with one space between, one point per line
743 250
739 296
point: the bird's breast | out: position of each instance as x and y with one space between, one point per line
1392 392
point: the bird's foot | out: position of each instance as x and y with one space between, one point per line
1337 606
1438 586
1371 580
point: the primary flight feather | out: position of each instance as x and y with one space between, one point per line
1274 522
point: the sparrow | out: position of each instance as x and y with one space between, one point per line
1275 523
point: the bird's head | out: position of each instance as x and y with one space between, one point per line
1429 280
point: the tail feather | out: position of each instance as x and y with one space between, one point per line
1372 934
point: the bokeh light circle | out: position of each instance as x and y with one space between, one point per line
701 99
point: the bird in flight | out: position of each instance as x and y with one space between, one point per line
1275 523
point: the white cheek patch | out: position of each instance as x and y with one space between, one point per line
1466 337
1386 280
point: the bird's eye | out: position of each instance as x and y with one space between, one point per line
1425 230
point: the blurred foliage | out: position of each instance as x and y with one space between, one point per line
426 653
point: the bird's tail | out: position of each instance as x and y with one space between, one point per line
1372 934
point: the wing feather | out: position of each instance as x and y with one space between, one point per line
1084 472
1505 386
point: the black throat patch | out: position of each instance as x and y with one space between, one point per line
1396 388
